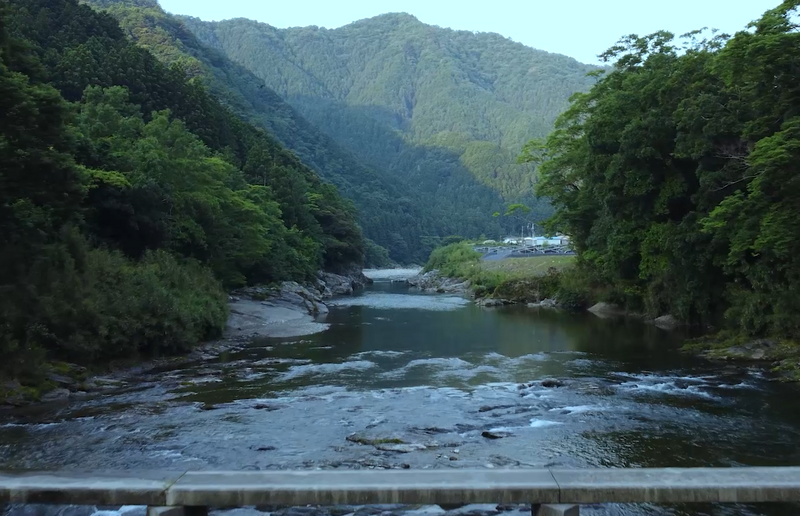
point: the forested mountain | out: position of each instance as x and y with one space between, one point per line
677 176
389 211
129 196
447 112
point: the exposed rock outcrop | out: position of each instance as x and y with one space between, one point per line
781 356
330 284
667 322
289 309
607 310
434 282
490 302
56 394
760 349
544 303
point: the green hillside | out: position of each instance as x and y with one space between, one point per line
389 213
411 98
130 197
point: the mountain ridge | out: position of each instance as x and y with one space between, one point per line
405 16
401 73
417 166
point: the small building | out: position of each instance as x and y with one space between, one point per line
542 241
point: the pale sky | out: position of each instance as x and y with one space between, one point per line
578 28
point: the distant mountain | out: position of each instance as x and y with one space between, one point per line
423 150
417 100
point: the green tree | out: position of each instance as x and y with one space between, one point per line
674 175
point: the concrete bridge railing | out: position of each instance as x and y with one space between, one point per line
191 492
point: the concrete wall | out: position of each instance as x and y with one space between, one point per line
537 486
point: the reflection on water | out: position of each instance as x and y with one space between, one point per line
437 372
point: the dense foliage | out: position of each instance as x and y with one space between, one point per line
129 197
443 113
677 176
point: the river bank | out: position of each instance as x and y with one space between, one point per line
462 272
285 310
780 356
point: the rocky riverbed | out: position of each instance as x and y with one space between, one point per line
287 310
290 309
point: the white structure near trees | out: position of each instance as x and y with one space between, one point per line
538 241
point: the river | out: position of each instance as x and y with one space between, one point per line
435 372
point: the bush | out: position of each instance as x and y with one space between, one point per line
573 290
375 256
572 287
461 261
453 259
94 305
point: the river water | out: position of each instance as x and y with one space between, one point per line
436 372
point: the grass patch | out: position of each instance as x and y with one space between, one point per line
522 280
715 343
461 261
789 369
521 268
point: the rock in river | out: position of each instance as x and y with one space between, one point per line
494 434
57 394
342 284
545 303
492 302
432 281
607 310
667 322
550 383
759 349
401 448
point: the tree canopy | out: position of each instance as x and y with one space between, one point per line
676 175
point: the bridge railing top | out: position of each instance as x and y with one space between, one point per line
243 488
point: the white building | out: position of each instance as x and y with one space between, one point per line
542 241
538 241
